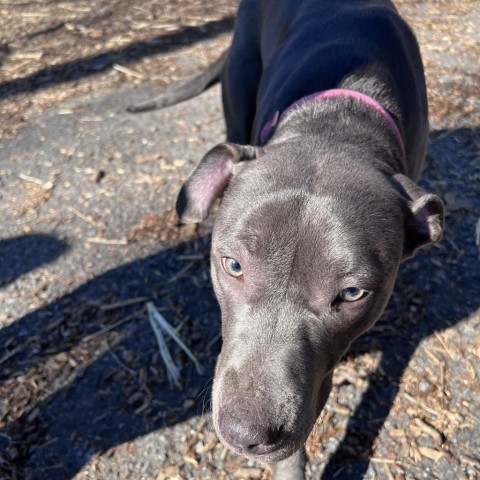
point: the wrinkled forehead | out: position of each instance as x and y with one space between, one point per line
274 221
266 221
335 233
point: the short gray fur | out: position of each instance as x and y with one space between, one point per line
328 203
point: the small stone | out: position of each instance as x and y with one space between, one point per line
97 176
332 444
188 403
424 386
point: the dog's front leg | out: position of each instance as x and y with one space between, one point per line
292 468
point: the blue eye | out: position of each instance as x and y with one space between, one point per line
353 294
232 267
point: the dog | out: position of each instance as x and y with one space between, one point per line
327 127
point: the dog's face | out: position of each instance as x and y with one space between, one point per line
303 260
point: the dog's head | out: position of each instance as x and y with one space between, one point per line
304 258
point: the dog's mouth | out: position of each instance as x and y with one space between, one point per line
263 453
272 457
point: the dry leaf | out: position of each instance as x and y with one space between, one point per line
170 473
431 453
248 472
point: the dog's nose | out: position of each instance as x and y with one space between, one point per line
244 425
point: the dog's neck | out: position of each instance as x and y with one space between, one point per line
351 120
345 121
269 127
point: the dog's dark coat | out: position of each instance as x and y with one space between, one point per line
327 205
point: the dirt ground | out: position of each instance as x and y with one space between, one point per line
88 236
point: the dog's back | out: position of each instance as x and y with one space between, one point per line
285 50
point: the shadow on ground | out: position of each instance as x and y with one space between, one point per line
84 67
76 391
20 255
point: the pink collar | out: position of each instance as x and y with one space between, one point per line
336 92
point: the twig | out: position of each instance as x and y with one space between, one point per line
10 354
181 273
382 460
213 341
111 327
420 404
128 72
193 257
85 218
439 338
173 374
108 241
28 178
125 303
155 314
477 236
46 444
122 365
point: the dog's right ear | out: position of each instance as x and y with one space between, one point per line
209 179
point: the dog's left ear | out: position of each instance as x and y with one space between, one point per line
425 216
209 180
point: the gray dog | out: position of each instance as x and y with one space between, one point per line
326 112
